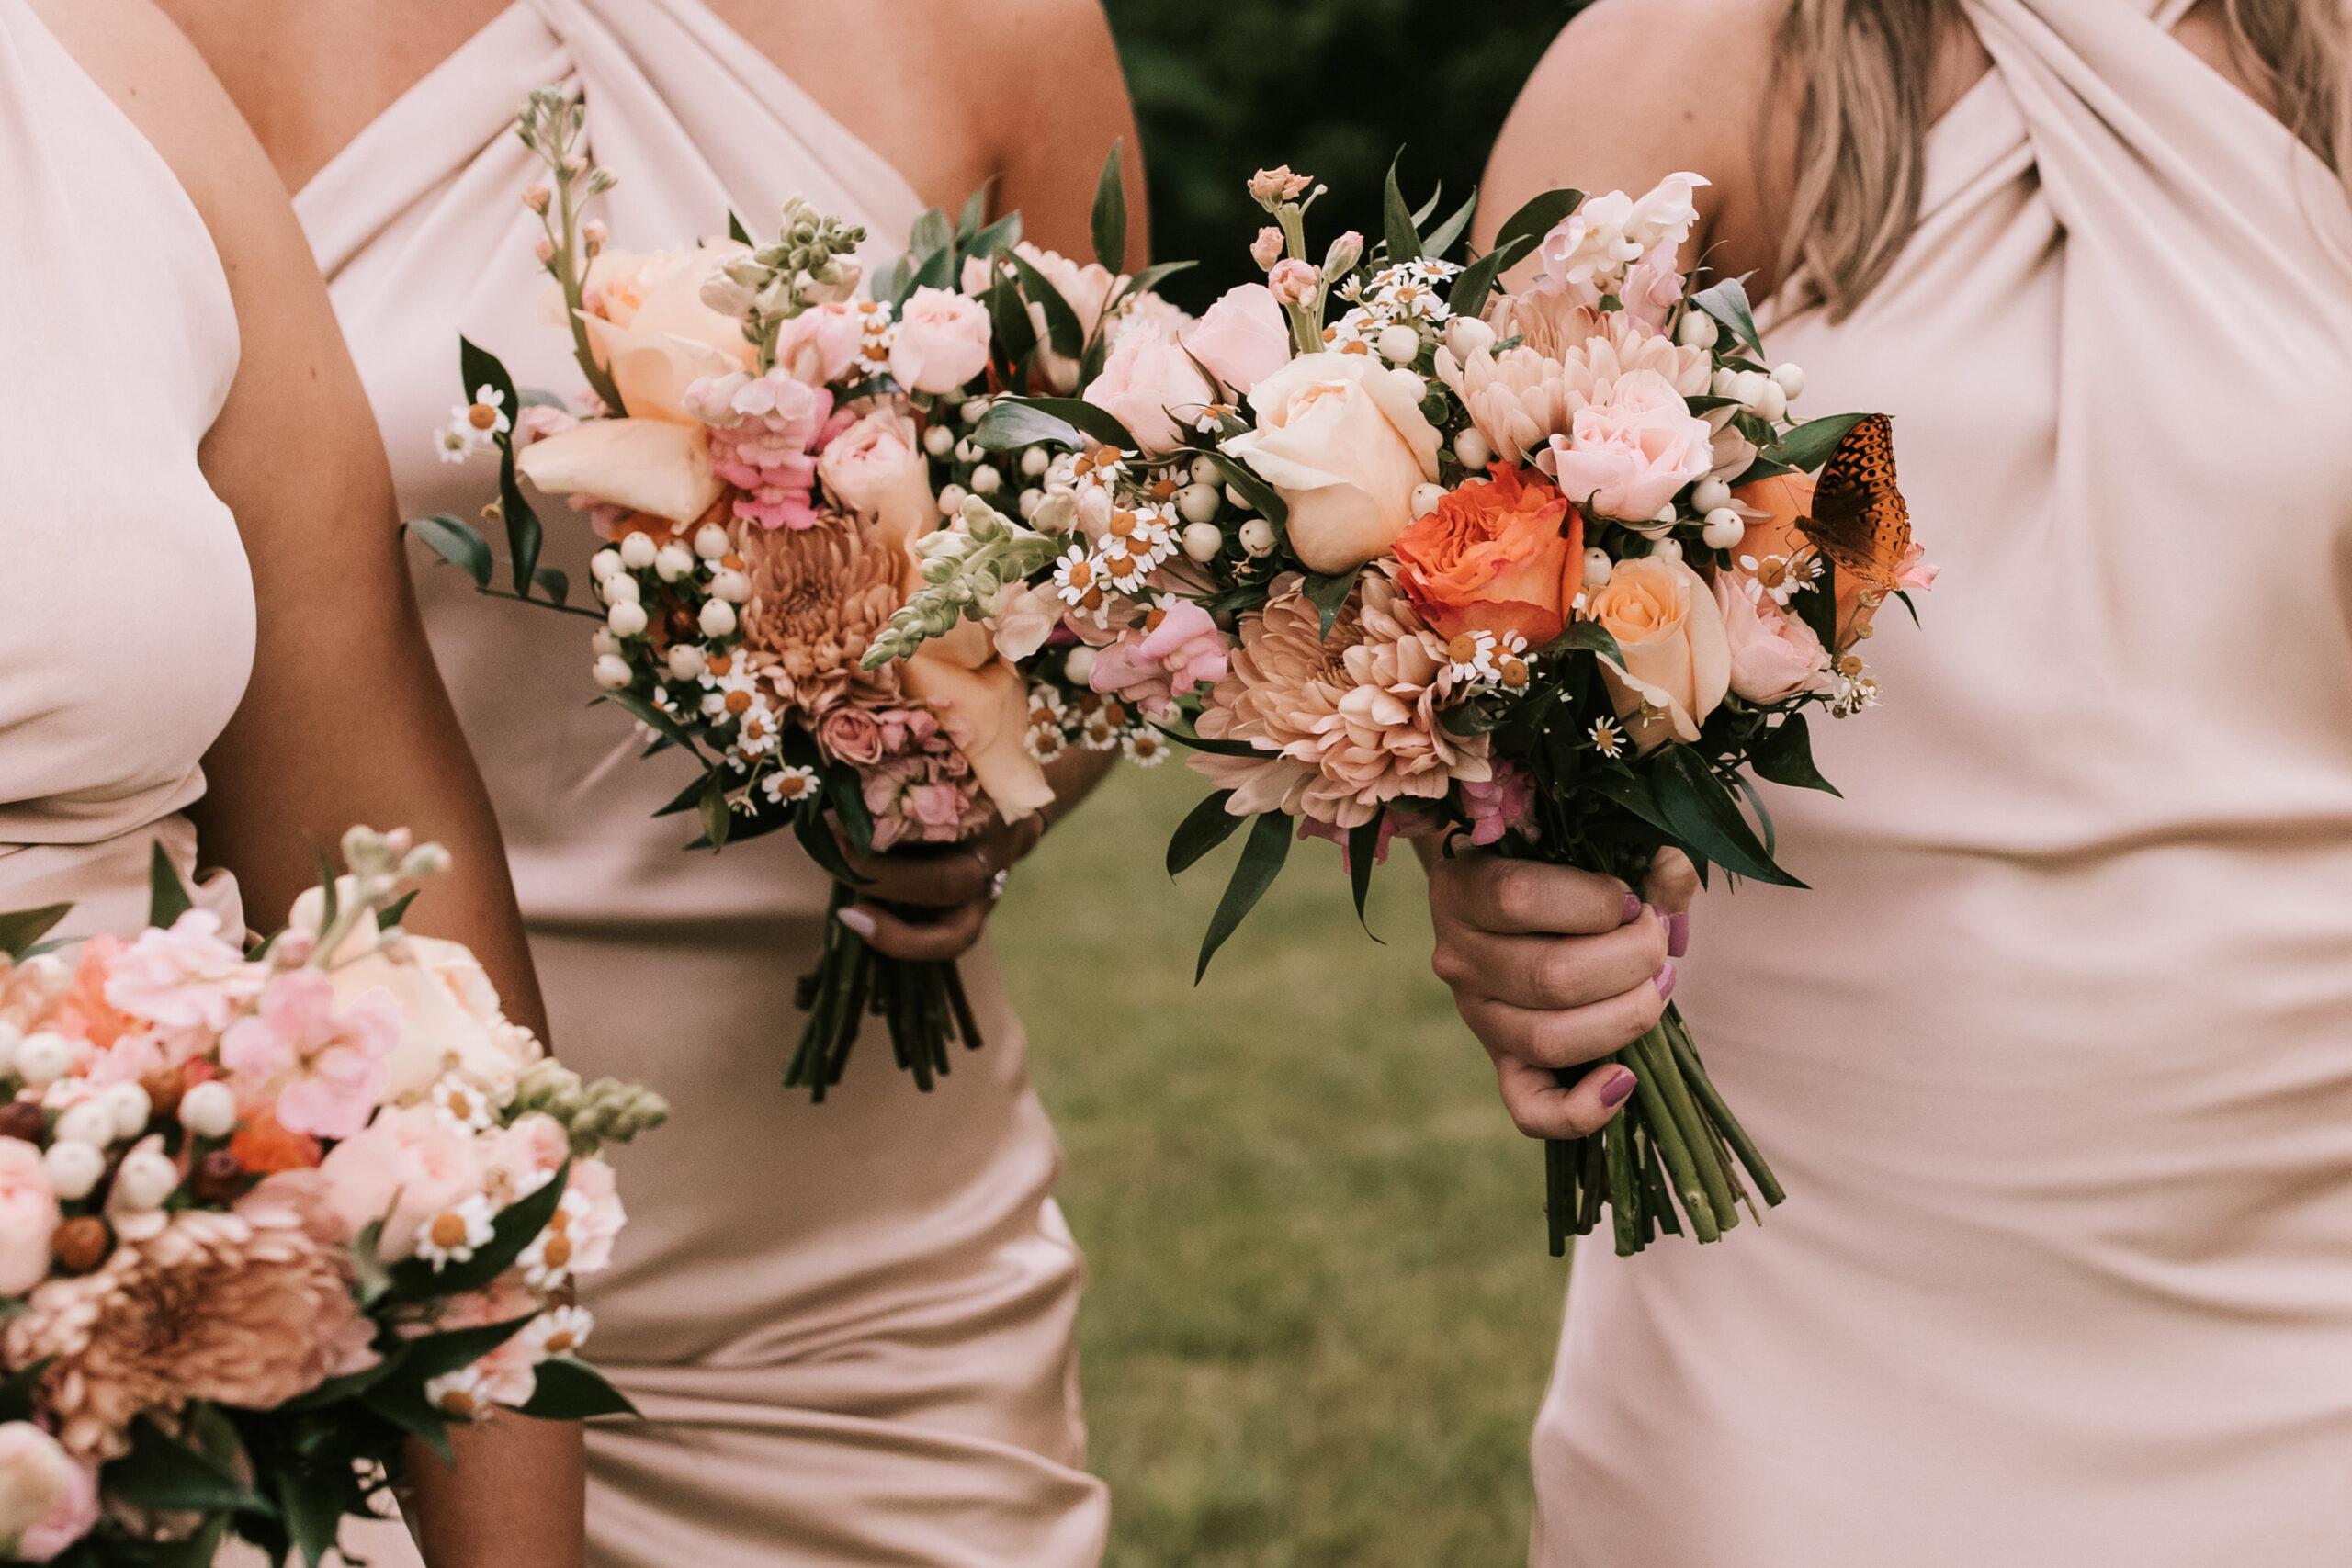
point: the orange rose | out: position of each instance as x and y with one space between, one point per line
1505 557
1774 541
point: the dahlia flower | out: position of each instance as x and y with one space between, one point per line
819 597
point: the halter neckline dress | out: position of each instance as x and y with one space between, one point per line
849 1323
2055 1059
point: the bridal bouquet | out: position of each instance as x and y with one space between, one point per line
266 1217
768 456
1554 572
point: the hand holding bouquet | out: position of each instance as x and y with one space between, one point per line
266 1218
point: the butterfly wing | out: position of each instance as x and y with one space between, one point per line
1858 518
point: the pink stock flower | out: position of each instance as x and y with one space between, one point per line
764 434
1180 648
28 1217
942 343
1654 288
1267 248
523 1157
1915 573
540 421
592 1216
324 1068
1499 804
185 978
1630 449
1243 338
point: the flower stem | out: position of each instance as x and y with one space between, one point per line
1687 1054
1659 1057
1667 1134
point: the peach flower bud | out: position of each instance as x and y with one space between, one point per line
1292 282
1267 248
543 250
1270 187
537 197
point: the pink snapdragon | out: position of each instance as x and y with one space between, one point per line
1499 804
1180 649
325 1068
765 433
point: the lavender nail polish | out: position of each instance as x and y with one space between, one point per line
1619 1087
1632 909
1663 981
1678 933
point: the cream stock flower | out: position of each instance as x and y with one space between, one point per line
1348 723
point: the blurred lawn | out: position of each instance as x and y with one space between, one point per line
1318 1311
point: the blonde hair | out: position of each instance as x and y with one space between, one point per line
1868 68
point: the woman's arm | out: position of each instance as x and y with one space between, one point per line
344 719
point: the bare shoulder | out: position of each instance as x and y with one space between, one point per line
1633 90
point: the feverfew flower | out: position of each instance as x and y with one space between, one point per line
559 1332
1144 748
461 1105
1606 739
789 786
461 1394
451 1236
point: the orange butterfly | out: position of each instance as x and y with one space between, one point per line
1858 518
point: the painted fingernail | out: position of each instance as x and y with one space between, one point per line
1663 981
1614 1092
1632 909
1678 933
861 923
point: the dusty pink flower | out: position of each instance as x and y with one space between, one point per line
408 1166
1773 655
764 433
183 979
1177 648
1631 449
820 344
1499 804
592 1216
523 1157
1292 281
942 342
71 1515
242 1309
1347 724
1278 184
28 1217
851 734
1654 288
325 1068
538 421
872 460
1243 338
1147 376
1915 573
1397 822
1024 620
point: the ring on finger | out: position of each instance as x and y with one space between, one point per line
996 884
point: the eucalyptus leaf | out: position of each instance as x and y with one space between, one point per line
1261 861
937 271
1205 826
998 239
457 542
930 235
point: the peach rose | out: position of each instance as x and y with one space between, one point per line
1342 439
1630 449
641 465
28 1217
1243 338
989 700
1500 556
647 325
942 342
872 460
1678 663
1147 375
1773 655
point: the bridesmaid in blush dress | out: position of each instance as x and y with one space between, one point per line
2055 1058
849 1325
206 640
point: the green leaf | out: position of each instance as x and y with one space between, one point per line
351 1385
1264 497
937 271
1593 638
1363 852
1009 425
1330 595
1785 757
684 800
1905 595
481 368
1261 862
19 1388
1421 213
553 583
391 912
456 541
1063 329
1396 219
161 1473
1818 604
716 814
168 898
846 794
1631 791
735 229
1707 819
1727 303
1809 444
19 929
930 236
405 1405
1205 826
1468 296
1109 224
998 239
514 1228
569 1389
1538 218
1441 239
1149 278
1009 322
825 851
653 718
1218 748
1099 423
313 1513
437 1355
976 212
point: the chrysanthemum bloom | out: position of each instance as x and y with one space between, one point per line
819 596
245 1309
1349 722
1522 397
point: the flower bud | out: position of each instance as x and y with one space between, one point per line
1466 336
130 1108
1698 330
711 541
1267 248
604 563
1789 378
1345 251
73 1169
937 439
1398 345
1203 541
673 561
1079 666
1036 461
44 1057
209 1109
637 549
717 618
686 662
595 234
1597 567
611 672
626 618
1258 537
1198 503
1725 529
89 1123
722 293
536 197
1293 282
543 250
1708 495
1426 498
144 1179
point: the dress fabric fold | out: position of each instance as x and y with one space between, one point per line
2055 1060
851 1324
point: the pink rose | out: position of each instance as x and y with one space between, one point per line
1630 449
1773 655
28 1217
324 1068
942 343
853 734
1243 338
872 461
1146 375
820 344
1181 649
46 1500
406 1167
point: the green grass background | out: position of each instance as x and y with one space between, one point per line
1319 1311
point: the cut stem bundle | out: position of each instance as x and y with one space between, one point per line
921 1004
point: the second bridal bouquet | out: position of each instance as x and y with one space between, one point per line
769 455
1555 572
267 1218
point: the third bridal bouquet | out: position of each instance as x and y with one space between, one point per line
1555 572
267 1217
771 457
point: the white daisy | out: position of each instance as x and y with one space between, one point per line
455 443
461 1105
460 1394
1606 739
451 1236
1145 748
560 1331
789 786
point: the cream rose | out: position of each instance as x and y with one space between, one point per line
1343 440
648 326
1678 662
942 342
28 1217
1773 655
1146 375
872 460
1631 449
1243 338
37 1479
